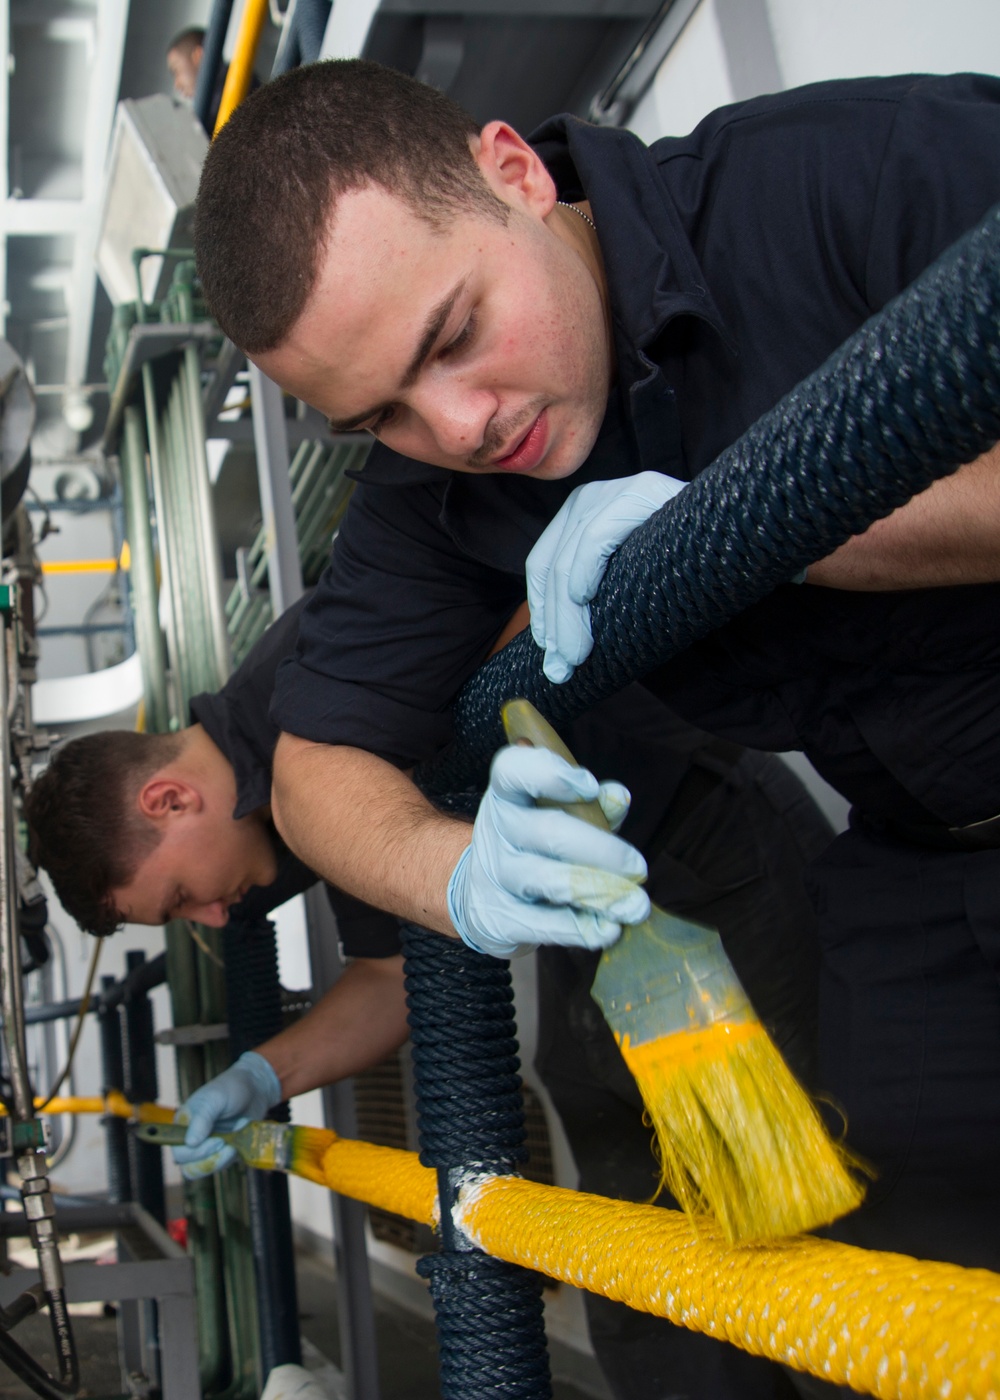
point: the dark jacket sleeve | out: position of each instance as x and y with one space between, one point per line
399 620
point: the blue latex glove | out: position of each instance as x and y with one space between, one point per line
241 1094
535 875
567 564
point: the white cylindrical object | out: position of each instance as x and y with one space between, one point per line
293 1383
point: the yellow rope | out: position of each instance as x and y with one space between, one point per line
881 1323
385 1177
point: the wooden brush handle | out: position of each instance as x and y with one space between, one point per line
524 725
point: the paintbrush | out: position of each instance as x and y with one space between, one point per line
736 1133
267 1146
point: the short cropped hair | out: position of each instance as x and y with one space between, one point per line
82 822
274 172
187 40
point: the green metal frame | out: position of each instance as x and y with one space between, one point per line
321 490
165 480
174 548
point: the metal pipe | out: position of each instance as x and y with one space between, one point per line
178 642
113 1076
11 997
208 534
39 1209
271 447
167 566
211 59
142 572
199 1196
141 1086
355 1312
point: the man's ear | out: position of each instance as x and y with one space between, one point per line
163 797
513 170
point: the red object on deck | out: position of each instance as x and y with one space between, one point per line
178 1231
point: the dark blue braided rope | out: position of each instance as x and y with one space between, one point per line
489 1314
464 1045
907 399
490 1328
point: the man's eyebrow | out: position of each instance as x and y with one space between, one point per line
433 326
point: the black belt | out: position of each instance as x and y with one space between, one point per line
977 836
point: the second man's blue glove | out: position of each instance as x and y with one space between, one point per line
537 875
567 564
241 1094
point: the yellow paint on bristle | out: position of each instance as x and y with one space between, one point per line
308 1146
738 1136
119 1106
153 1113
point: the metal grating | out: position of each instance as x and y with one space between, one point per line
321 490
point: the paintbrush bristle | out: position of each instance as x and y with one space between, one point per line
738 1136
307 1149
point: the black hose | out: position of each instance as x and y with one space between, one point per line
26 1305
24 1366
62 1338
911 396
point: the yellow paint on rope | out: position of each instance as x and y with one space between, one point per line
382 1176
882 1323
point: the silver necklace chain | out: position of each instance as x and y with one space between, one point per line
585 217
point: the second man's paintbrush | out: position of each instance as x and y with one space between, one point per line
274 1147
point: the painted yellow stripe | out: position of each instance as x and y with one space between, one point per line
90 566
240 74
80 566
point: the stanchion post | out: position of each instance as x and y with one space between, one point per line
253 998
113 1075
491 1328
